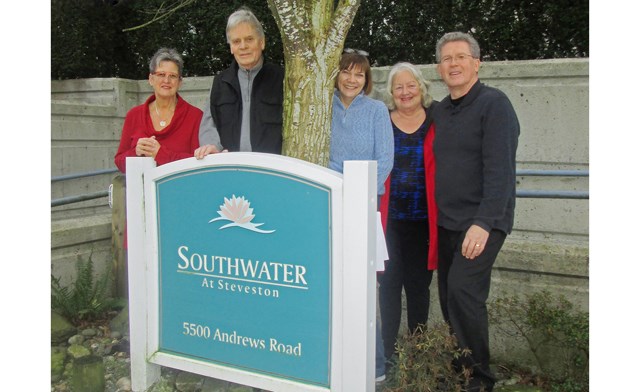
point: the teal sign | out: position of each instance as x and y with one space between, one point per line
244 270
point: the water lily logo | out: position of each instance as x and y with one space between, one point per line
237 211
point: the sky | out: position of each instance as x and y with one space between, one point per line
25 198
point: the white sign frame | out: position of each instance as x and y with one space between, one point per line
353 236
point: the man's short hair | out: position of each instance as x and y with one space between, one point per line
244 15
458 36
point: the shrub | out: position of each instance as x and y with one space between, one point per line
84 300
555 332
425 362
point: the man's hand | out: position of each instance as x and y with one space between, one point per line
474 242
205 150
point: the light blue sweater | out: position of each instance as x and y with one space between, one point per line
361 132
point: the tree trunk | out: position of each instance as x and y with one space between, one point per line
313 34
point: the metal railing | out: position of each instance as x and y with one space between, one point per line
544 194
522 193
87 196
81 175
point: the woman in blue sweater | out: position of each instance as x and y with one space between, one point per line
360 126
361 130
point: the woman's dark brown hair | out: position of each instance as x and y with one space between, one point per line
350 60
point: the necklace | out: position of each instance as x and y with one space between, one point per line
163 123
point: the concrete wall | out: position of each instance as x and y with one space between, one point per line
549 245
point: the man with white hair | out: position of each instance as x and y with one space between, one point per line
244 109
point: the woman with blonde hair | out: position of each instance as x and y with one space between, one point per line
408 206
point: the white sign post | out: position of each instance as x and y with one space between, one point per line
234 294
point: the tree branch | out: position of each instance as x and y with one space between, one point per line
344 15
162 14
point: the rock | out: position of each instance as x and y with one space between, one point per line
214 385
162 386
511 381
188 382
77 351
121 346
88 374
123 384
98 349
61 329
76 339
115 335
58 357
89 332
120 323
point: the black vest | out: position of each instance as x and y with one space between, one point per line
266 108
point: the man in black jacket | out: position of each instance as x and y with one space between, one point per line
244 109
475 150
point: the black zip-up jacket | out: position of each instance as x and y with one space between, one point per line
475 152
266 108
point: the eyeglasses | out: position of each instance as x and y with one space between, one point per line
460 57
356 51
172 77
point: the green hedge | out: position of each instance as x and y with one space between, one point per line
87 38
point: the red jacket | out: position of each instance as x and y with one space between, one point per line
177 141
432 209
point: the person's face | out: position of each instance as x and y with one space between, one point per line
165 80
457 68
246 46
406 91
350 83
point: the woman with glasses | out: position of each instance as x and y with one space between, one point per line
408 206
361 130
165 127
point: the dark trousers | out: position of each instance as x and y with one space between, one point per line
407 244
463 287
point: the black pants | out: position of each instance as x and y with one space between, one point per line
463 287
407 244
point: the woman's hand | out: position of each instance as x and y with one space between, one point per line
147 147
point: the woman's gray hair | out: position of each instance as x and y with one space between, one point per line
417 75
458 36
166 54
244 15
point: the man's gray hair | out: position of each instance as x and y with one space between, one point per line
244 15
166 54
458 36
417 75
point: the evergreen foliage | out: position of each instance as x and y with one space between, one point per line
87 38
85 299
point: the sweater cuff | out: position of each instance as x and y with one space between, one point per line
483 225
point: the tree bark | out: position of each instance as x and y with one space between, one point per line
313 34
